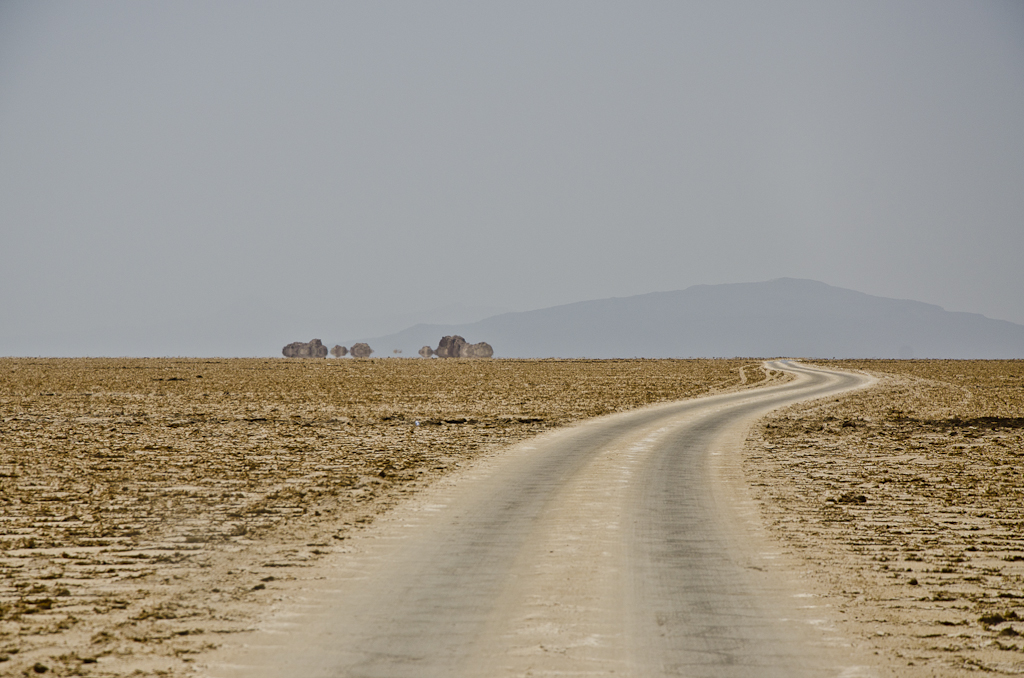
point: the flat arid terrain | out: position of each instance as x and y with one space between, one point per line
150 508
147 507
906 503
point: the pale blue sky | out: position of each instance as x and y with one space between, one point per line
193 178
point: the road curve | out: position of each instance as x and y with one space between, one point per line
623 546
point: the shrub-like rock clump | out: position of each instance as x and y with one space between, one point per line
298 349
457 347
360 350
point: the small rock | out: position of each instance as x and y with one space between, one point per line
361 350
298 349
480 350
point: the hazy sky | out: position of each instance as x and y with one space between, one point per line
222 178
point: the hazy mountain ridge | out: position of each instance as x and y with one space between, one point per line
782 317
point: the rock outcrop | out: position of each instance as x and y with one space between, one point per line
480 350
450 347
339 351
426 352
360 350
456 347
298 349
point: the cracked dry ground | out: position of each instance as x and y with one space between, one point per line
906 503
149 506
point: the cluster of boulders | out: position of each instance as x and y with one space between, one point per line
298 349
457 347
450 347
316 349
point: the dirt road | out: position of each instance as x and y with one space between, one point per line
628 545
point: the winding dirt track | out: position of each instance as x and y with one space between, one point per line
624 546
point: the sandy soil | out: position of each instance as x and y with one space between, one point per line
906 504
147 507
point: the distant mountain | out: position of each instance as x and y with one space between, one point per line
784 317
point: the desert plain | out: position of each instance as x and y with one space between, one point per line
148 507
906 503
